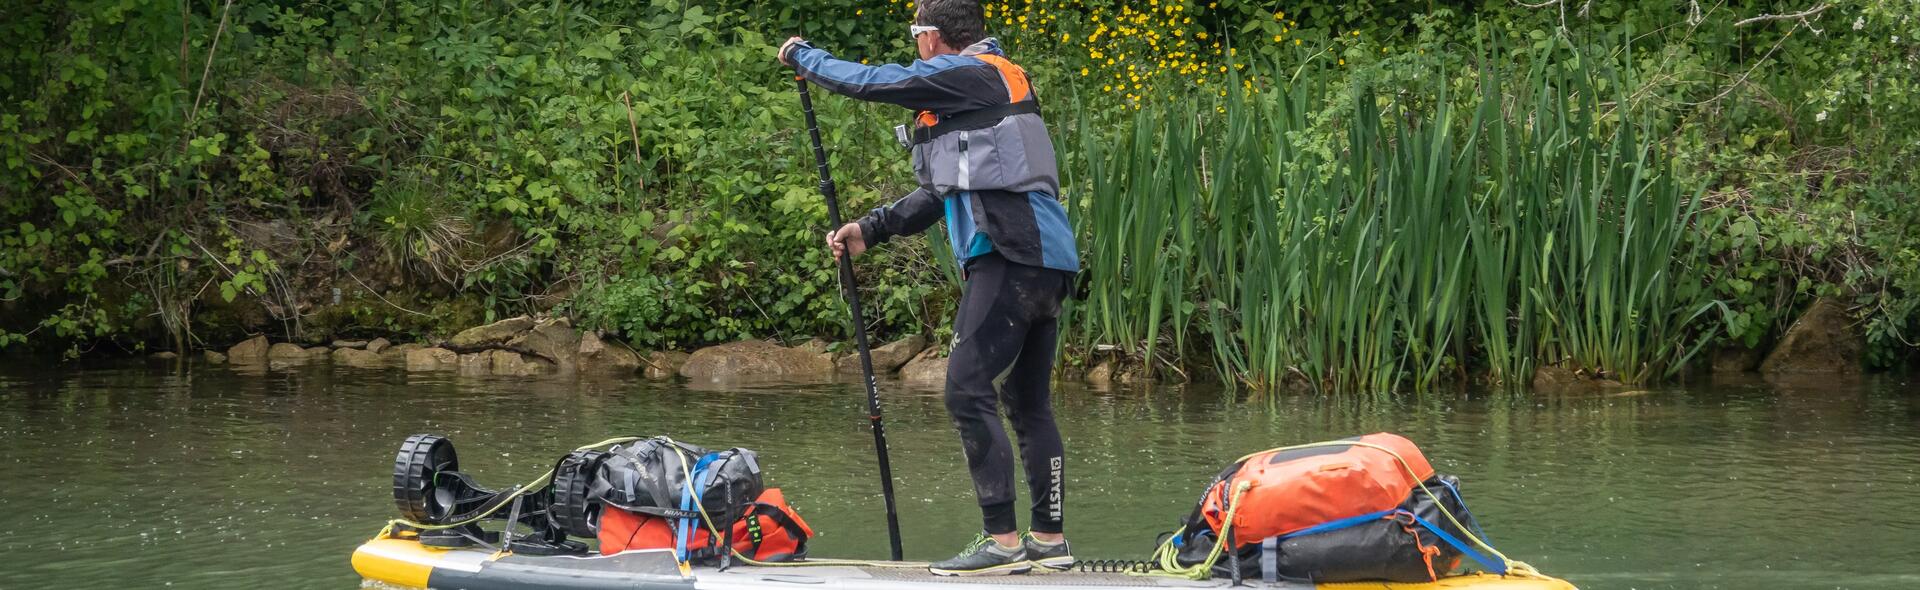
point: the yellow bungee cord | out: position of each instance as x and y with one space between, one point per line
1166 557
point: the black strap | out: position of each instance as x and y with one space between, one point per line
664 512
981 118
779 517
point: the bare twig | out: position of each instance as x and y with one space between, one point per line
186 41
633 126
1743 76
71 175
383 299
1800 16
207 71
1560 5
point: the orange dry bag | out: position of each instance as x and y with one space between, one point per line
767 530
1292 490
1363 508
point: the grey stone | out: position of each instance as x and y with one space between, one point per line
928 367
754 358
507 362
1553 376
354 357
476 363
287 351
553 340
1564 378
349 344
816 346
396 355
214 357
166 355
432 359
378 344
251 352
1823 340
886 359
664 364
1736 359
1101 375
493 334
599 356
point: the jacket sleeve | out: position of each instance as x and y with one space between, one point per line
944 84
910 215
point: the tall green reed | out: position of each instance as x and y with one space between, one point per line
1418 239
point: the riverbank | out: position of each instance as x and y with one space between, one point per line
526 346
1822 342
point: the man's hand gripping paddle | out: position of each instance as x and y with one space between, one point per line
850 288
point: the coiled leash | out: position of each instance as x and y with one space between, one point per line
1114 566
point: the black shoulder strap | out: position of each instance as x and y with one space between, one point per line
981 118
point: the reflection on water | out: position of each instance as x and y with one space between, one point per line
138 475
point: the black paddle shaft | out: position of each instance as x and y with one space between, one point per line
850 287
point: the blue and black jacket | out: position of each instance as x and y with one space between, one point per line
983 157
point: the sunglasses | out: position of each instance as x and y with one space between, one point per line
918 30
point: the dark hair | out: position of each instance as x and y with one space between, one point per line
961 22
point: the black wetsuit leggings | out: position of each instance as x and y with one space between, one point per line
1007 325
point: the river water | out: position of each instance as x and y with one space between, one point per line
143 475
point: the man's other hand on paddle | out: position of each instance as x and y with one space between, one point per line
847 239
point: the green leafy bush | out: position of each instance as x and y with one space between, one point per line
183 173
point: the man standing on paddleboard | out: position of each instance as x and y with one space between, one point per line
985 163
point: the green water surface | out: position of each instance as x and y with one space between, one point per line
147 475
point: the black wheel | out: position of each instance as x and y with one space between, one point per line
416 469
571 510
